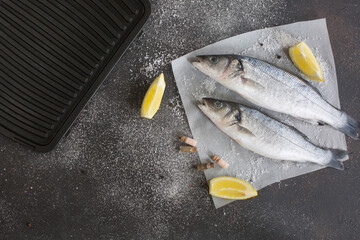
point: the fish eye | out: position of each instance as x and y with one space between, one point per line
213 59
218 104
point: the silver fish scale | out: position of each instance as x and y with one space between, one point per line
291 81
266 136
284 131
284 77
279 74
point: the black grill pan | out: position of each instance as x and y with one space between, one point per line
53 57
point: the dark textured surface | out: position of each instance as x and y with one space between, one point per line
53 57
117 176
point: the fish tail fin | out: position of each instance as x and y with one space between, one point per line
336 157
351 127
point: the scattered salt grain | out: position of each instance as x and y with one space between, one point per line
210 86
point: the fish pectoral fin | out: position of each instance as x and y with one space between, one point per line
245 131
251 83
235 74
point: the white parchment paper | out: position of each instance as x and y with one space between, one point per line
271 45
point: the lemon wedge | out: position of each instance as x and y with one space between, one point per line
153 97
231 188
305 61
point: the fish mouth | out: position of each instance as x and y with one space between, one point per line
203 104
196 62
206 101
197 65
